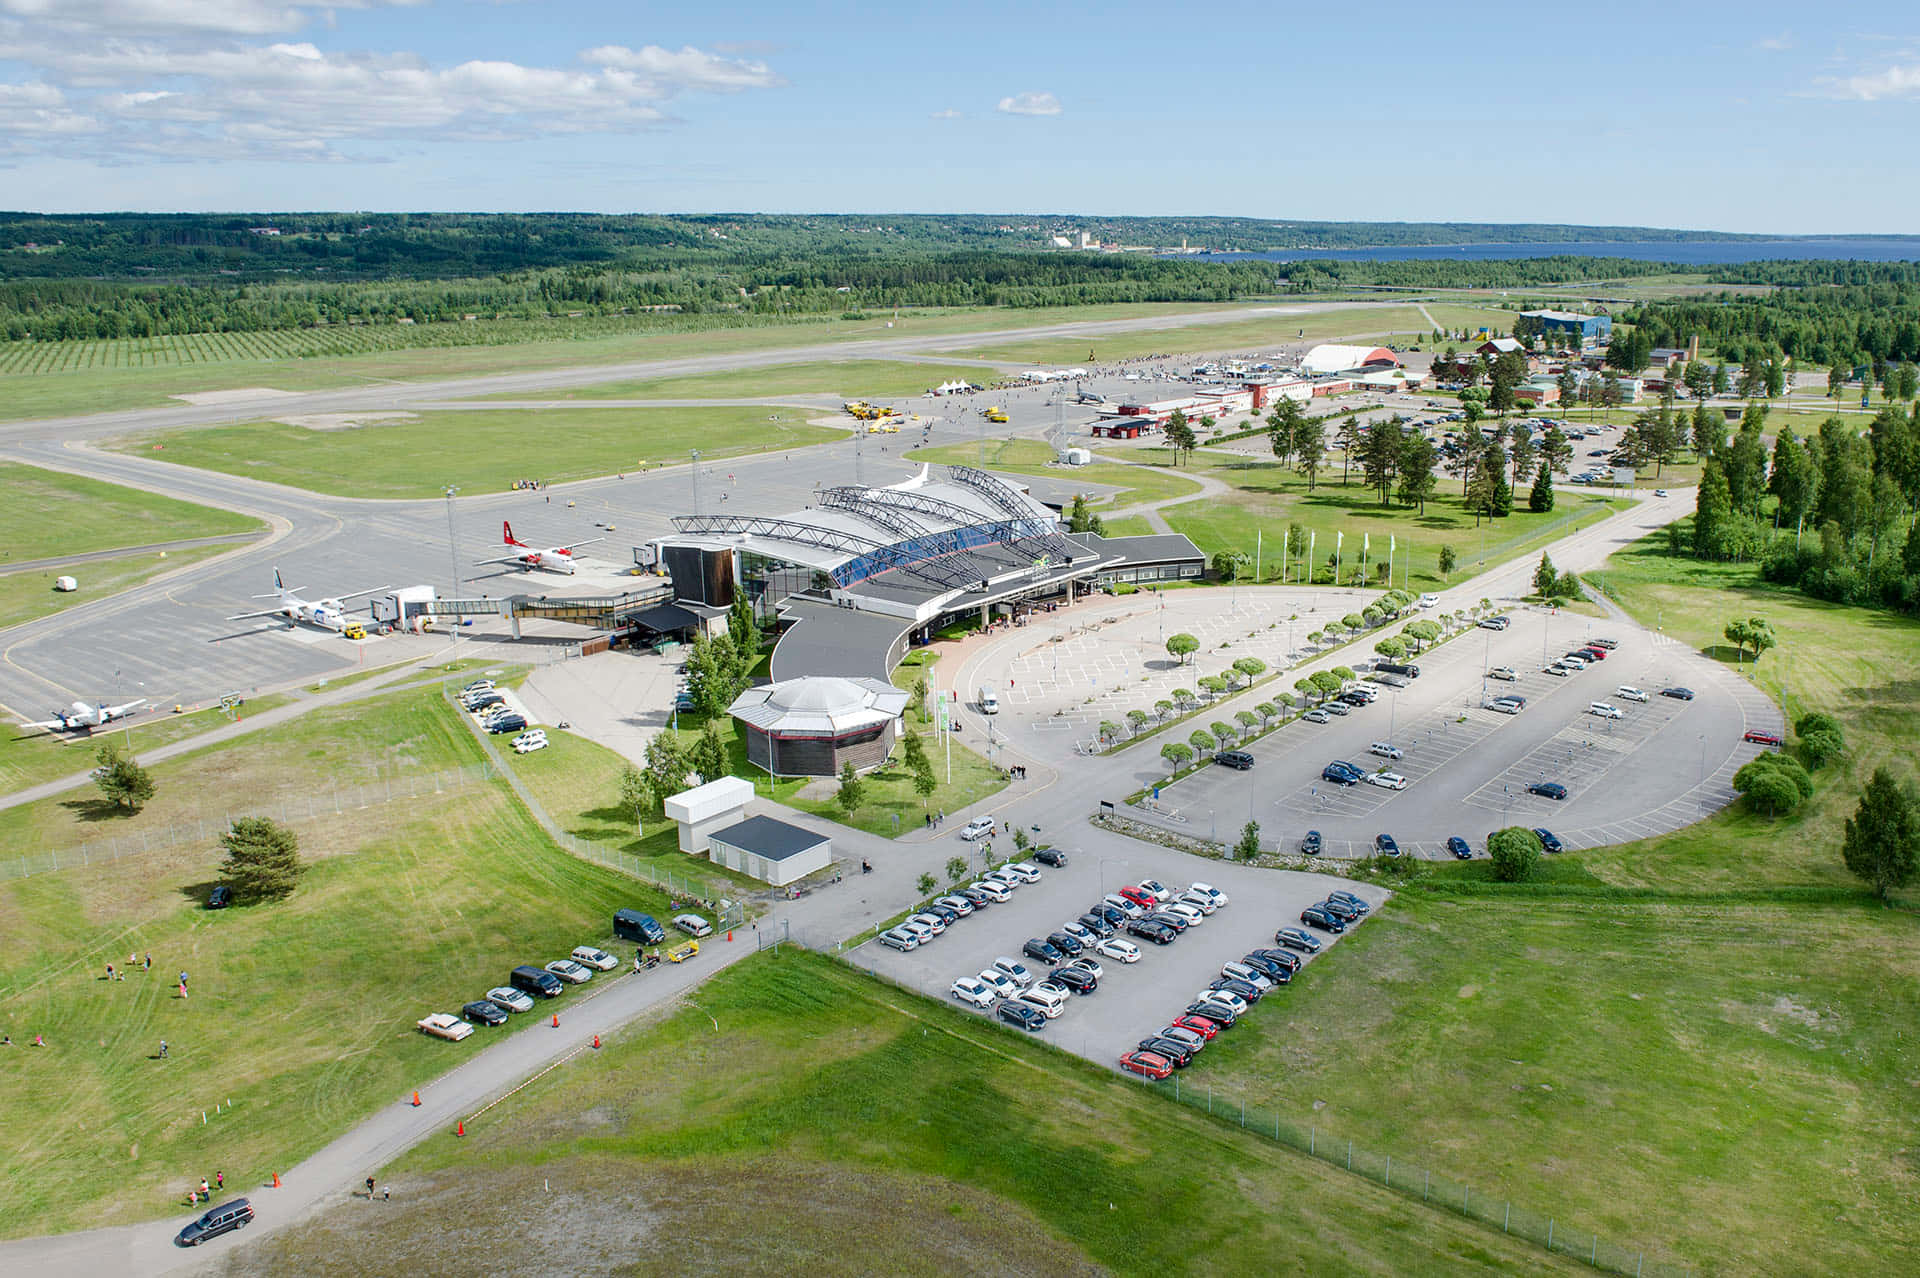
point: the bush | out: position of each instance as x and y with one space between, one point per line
1773 784
1821 741
1514 852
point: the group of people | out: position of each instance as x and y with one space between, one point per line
205 1192
936 819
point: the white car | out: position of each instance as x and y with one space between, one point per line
510 998
1387 780
1386 750
1317 716
1501 705
958 904
1559 669
1090 966
1429 601
527 743
971 990
1606 710
477 687
1574 663
1025 871
1507 673
1115 948
599 960
1219 897
993 889
917 930
1198 900
570 971
1191 913
1626 692
933 921
1014 970
978 828
999 982
1160 890
898 938
1232 1002
446 1025
1011 882
1079 933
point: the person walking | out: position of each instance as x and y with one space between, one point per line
369 1189
109 971
183 989
220 1181
146 964
206 1190
163 1049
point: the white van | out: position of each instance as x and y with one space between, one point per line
1050 1001
989 704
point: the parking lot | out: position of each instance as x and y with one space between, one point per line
1469 769
1133 1000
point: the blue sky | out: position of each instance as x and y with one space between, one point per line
1731 117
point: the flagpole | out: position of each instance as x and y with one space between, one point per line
1257 534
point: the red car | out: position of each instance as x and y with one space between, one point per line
1140 897
1147 1064
1763 738
1198 1024
1593 654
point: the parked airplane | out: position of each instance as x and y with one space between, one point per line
85 718
328 614
554 558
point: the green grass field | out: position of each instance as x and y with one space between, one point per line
27 595
807 1119
29 759
1723 1085
1267 498
1263 334
73 515
480 451
851 378
1033 457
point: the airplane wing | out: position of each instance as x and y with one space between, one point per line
265 612
355 594
517 556
588 542
50 724
129 708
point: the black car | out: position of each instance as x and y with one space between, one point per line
1548 841
506 723
1314 916
1311 844
1218 1013
1238 760
1172 1048
1341 910
1070 946
1459 847
1111 913
945 913
237 1214
1268 968
1077 979
1548 790
1178 922
1340 774
483 1012
974 897
220 898
1296 939
1245 991
1358 904
1055 857
1025 1015
1040 950
1285 959
486 701
1152 930
1384 845
1678 694
1096 924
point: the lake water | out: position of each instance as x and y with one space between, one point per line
1894 248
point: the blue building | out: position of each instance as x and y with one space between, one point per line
1591 328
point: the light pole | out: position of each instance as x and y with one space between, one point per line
453 549
1105 861
695 454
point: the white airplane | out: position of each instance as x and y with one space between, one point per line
554 558
85 718
328 614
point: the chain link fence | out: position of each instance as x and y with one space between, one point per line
291 810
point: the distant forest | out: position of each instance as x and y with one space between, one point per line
72 278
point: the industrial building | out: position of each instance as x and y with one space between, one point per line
1327 359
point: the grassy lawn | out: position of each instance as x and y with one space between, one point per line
72 515
31 759
849 378
1262 335
1853 663
1723 1084
345 745
1032 457
480 451
826 1098
1267 498
293 1016
27 595
1129 526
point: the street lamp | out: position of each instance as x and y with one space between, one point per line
453 549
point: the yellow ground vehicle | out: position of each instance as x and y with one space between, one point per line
996 414
883 428
682 952
353 630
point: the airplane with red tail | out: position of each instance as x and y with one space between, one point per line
553 558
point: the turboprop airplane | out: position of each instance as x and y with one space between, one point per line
554 558
85 718
327 614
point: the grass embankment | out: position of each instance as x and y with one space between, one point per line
851 378
1266 498
1263 335
481 450
32 759
804 1118
73 515
346 745
29 595
1647 1069
1032 457
144 372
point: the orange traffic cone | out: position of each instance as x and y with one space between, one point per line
416 1099
729 934
596 1042
276 1180
556 1020
460 1128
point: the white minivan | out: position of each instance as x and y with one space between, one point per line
1050 1001
989 704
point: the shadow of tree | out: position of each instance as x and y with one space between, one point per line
95 809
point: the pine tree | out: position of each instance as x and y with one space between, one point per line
852 789
1882 840
263 859
1540 500
125 783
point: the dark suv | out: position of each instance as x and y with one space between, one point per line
1310 845
1040 950
1239 760
1051 856
237 1214
1340 773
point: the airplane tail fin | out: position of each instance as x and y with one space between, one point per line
506 534
277 584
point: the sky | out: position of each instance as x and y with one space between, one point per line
1761 116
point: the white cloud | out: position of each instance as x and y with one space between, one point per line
1871 86
948 114
1775 44
1030 104
192 96
168 17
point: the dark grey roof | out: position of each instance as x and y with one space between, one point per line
825 640
664 617
1149 548
766 837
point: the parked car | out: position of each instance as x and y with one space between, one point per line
898 938
1198 900
445 1025
1627 692
1340 708
1314 916
1384 845
1387 780
1458 846
1146 1064
1607 645
928 919
1239 760
1153 930
1341 773
1296 939
506 723
536 981
1287 959
1606 710
1024 1015
1228 999
974 896
1140 897
1014 970
1025 871
693 925
978 828
1193 914
993 889
1311 843
1055 857
1090 965
1559 670
1067 943
1097 925
1011 882
1193 1040
1081 934
1505 673
1495 623
947 915
1317 716
1548 790
1357 903
999 982
1077 979
1113 914
1215 1012
228 1216
1501 705
1205 1027
1758 737
958 904
597 959
1042 952
570 971
484 1012
972 991
220 898
1548 841
1386 750
1678 694
1267 970
1218 897
1115 948
1178 1054
477 687
510 999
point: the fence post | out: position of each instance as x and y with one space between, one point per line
1243 1113
1549 1233
1507 1219
1639 1259
1386 1177
1466 1196
1593 1255
1425 1186
1310 1139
